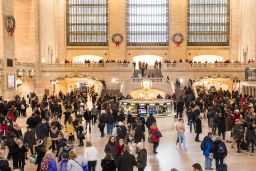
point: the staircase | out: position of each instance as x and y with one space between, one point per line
151 73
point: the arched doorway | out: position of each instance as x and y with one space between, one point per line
83 58
149 59
207 58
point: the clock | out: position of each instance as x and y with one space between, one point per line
11 23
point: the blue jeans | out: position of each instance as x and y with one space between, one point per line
208 163
181 137
109 129
252 144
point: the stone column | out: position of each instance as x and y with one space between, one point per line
7 47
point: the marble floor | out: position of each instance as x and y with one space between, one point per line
169 156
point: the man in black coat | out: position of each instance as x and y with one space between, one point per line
198 123
180 107
126 161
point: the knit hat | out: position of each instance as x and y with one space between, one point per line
250 105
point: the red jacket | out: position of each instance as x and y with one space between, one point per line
11 116
153 131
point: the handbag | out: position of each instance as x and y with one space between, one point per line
158 134
33 159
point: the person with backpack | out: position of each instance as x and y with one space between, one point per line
206 147
219 151
150 120
75 162
142 156
66 149
63 164
121 131
48 163
238 133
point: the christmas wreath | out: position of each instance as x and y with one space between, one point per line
177 38
11 24
117 39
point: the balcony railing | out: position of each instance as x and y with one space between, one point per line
208 65
25 64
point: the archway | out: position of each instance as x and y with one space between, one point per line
83 58
149 59
207 58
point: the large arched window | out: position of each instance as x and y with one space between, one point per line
87 22
208 22
147 22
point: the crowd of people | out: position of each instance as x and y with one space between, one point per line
59 123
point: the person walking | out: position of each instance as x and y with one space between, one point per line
108 163
63 164
142 157
229 125
48 163
219 151
238 132
75 162
206 147
198 123
250 138
70 129
110 147
90 155
126 161
180 128
154 138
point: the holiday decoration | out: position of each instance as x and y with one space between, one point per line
117 39
11 23
177 38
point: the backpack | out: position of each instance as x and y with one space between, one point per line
4 165
222 167
203 145
63 165
45 164
221 148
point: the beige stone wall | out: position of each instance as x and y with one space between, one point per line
26 30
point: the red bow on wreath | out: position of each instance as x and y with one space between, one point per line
117 42
178 43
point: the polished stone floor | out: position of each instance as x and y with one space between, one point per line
169 156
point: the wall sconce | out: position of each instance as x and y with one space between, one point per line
20 72
32 73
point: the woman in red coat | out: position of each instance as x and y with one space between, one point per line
155 140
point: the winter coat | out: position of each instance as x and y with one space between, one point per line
62 166
52 165
221 124
229 123
30 138
153 132
250 134
207 142
215 146
108 165
139 135
70 129
126 162
142 158
238 131
76 164
198 125
42 131
111 148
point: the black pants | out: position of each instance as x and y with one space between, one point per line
94 119
54 145
218 161
221 132
71 138
92 165
214 128
102 132
18 164
155 145
238 142
81 142
197 137
141 169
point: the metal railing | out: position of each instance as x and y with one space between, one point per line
28 64
207 65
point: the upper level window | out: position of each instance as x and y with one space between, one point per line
87 22
208 22
147 22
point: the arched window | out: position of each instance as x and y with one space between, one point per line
87 22
147 22
208 22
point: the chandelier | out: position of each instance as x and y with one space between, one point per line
146 84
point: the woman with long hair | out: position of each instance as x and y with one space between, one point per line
154 138
91 154
108 163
